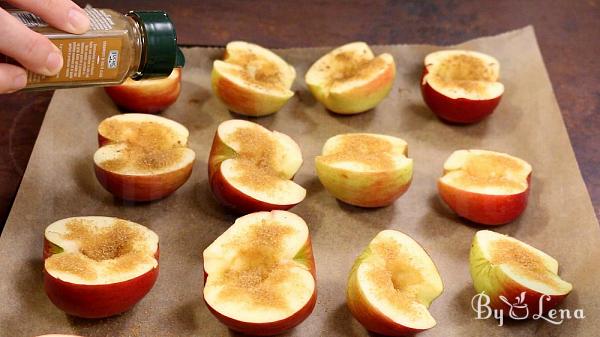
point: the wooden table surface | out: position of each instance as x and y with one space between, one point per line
568 33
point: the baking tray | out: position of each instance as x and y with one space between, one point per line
59 182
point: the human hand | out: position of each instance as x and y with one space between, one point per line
33 50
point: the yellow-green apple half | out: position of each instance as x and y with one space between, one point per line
518 278
250 168
259 275
252 80
365 169
461 86
350 79
487 187
392 285
98 266
142 157
147 96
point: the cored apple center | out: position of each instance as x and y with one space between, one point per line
115 242
395 277
258 267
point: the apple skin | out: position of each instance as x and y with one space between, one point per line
459 110
485 209
499 284
97 301
359 99
143 188
234 199
224 192
364 189
244 101
306 257
147 96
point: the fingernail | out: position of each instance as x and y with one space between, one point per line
19 81
54 62
79 21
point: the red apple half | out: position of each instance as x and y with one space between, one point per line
392 285
252 80
351 79
487 187
515 275
461 86
260 276
142 157
250 168
149 95
365 169
97 266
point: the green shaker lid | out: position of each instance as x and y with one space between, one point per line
161 53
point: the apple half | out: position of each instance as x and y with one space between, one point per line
151 95
461 86
98 266
392 285
250 168
142 157
252 80
259 275
351 79
515 275
365 169
486 187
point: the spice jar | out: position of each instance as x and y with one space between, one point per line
140 44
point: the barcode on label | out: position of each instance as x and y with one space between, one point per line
113 59
29 20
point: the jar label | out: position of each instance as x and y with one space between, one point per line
85 59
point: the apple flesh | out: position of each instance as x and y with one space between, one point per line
486 187
351 79
260 275
392 285
250 168
142 157
461 86
363 169
252 80
509 270
97 267
147 96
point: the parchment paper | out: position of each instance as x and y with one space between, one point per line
59 183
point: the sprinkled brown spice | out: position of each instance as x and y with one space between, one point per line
365 149
150 146
257 273
466 72
394 277
147 134
71 263
492 170
103 243
256 159
115 243
258 71
351 67
522 259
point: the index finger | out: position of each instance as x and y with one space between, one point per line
62 14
